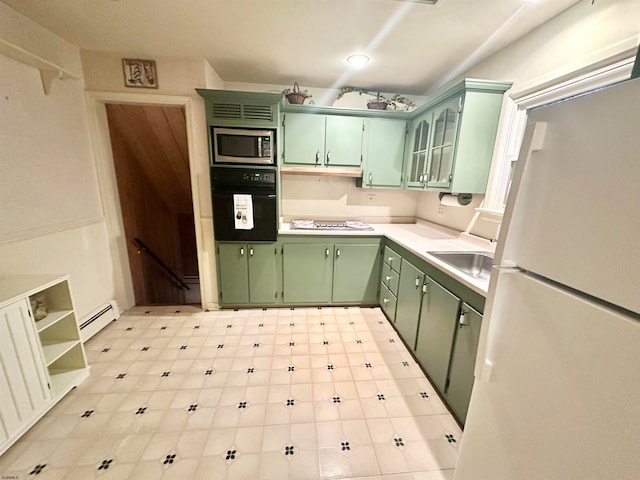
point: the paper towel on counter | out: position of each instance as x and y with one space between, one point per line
243 211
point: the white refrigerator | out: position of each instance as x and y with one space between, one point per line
557 389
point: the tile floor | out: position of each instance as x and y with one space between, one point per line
272 394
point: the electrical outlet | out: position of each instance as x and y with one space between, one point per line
440 210
371 198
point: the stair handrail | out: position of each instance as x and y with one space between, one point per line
171 273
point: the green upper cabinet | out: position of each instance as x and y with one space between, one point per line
343 141
322 140
307 271
445 122
417 147
356 273
241 109
303 138
383 152
453 136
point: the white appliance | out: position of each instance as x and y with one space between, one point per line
557 390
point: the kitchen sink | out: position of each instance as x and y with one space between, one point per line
474 264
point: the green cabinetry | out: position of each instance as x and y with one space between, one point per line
418 150
383 148
355 273
330 270
322 140
438 320
463 359
452 138
445 125
248 274
389 279
307 272
241 109
409 302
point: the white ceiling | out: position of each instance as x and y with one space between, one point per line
411 45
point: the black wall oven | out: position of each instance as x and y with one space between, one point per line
244 203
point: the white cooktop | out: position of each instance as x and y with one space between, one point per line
329 225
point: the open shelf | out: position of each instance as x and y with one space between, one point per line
49 351
65 379
53 351
51 319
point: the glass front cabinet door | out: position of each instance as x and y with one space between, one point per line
445 120
420 137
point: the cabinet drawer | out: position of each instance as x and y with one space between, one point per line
390 279
388 302
392 259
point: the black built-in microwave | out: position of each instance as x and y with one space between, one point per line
246 146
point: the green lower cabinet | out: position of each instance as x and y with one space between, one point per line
263 276
388 302
234 274
307 272
438 321
248 274
409 300
463 361
356 273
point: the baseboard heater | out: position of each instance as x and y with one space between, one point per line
96 321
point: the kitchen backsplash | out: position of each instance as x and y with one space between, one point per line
459 218
337 198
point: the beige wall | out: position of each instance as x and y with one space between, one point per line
51 214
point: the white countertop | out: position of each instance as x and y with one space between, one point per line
419 238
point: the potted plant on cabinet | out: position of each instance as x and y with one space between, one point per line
379 101
295 95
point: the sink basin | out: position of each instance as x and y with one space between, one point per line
474 264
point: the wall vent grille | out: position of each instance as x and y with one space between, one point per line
238 111
227 110
258 112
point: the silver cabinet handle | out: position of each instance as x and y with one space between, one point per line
317 157
370 179
251 252
337 252
387 278
425 288
418 283
385 300
390 260
326 252
328 156
241 251
463 322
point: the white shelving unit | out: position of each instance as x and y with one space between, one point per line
40 360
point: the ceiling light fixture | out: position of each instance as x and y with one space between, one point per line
358 60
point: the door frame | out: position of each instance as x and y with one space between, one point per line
105 170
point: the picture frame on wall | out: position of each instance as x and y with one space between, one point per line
139 73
